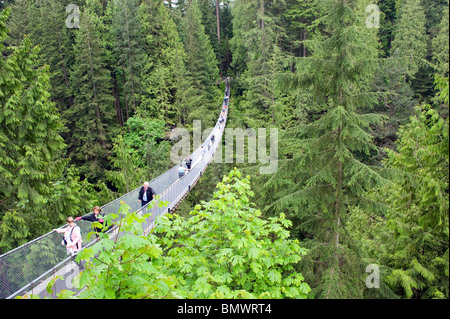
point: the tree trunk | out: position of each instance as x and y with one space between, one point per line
218 20
125 96
64 68
100 130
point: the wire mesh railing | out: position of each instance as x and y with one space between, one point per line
28 268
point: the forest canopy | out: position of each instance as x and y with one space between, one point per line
357 89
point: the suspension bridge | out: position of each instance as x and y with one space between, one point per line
28 269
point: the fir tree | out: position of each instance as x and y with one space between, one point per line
396 101
388 16
165 79
51 33
261 61
21 20
30 143
201 63
410 39
128 49
326 174
410 240
93 109
418 251
440 46
301 16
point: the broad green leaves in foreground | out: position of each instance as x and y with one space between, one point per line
225 250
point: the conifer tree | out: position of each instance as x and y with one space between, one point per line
242 20
30 143
21 20
44 21
410 39
127 175
410 241
201 63
93 110
301 16
418 251
53 36
326 174
440 45
257 37
396 100
166 84
128 49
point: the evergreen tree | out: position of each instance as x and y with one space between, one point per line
441 46
90 143
410 241
127 175
326 174
418 251
20 22
388 16
30 143
139 154
201 64
243 15
262 60
396 101
301 16
44 21
56 50
168 92
410 39
128 49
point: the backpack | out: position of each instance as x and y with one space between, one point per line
70 236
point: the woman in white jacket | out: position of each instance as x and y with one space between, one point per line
72 236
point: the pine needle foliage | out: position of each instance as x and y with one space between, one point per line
327 174
30 144
410 39
411 240
90 142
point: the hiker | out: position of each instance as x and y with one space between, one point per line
211 142
188 161
182 171
146 194
203 151
95 217
72 236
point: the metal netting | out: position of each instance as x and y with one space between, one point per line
28 268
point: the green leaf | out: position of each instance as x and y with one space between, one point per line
274 276
52 283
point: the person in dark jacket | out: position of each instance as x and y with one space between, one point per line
188 161
95 217
146 194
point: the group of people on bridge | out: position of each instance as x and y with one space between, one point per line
72 234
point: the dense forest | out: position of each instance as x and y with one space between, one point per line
88 97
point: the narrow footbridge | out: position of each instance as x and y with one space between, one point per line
29 268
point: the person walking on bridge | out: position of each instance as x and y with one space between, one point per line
72 236
182 171
146 194
188 161
95 217
203 151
